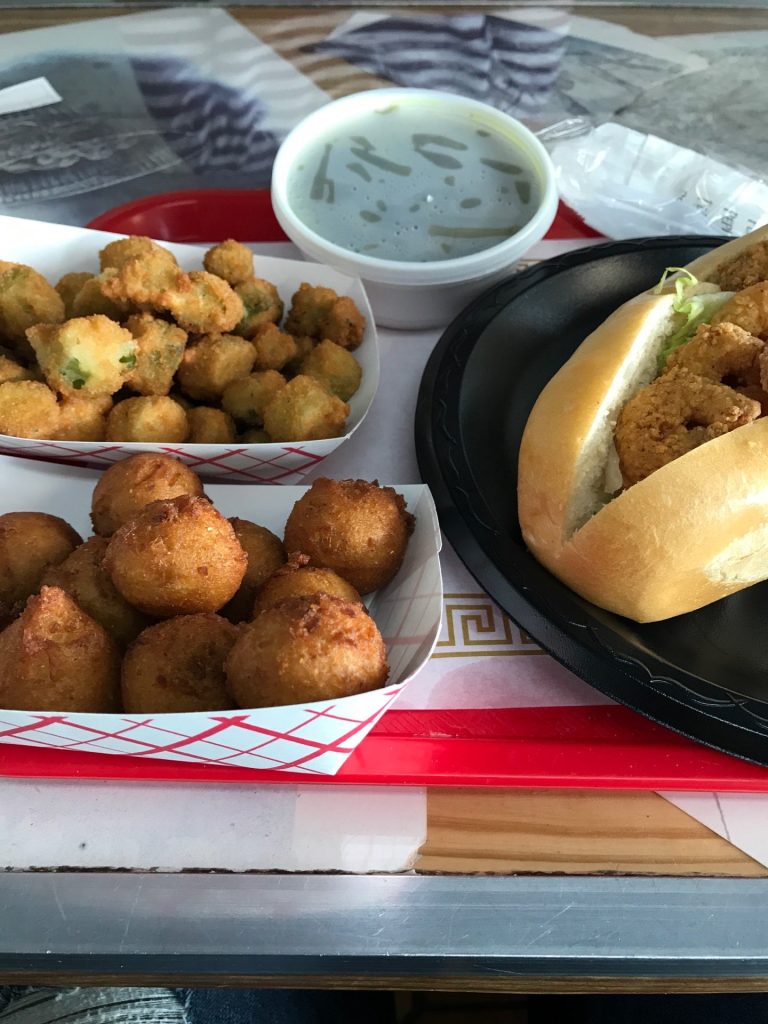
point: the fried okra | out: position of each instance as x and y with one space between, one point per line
116 254
265 555
231 261
178 666
152 418
210 426
30 542
91 300
211 363
11 370
142 281
246 398
26 299
69 285
89 355
274 348
201 302
55 657
321 313
83 419
28 409
261 305
335 367
132 484
160 349
84 578
304 410
176 557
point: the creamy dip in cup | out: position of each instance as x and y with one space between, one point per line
427 196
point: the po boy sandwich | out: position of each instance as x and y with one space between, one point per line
643 470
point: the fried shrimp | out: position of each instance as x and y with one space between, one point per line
672 416
724 353
748 268
747 309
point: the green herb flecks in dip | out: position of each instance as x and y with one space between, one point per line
379 184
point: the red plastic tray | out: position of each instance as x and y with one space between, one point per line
606 747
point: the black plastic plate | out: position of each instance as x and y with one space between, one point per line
704 674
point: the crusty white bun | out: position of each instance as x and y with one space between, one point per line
692 532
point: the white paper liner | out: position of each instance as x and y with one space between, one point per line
56 249
314 738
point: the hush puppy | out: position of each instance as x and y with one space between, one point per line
273 347
210 426
246 399
231 261
30 542
299 579
154 418
176 557
211 363
160 348
26 299
261 305
356 528
88 355
178 666
304 410
335 367
131 484
306 649
28 409
84 578
265 554
54 657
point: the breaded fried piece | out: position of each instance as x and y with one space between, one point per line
83 419
30 542
131 484
26 299
116 254
11 370
160 349
210 426
747 309
153 418
28 409
54 657
273 347
89 356
176 557
720 352
306 649
91 299
201 303
84 578
748 268
357 528
335 367
231 261
261 305
321 313
213 362
265 554
304 410
300 579
247 397
69 285
672 416
178 666
143 282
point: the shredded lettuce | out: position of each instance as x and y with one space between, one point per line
691 302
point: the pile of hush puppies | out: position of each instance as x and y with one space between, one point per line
144 351
170 607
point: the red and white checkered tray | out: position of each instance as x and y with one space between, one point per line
311 739
56 249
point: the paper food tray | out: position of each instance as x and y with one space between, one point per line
314 738
56 249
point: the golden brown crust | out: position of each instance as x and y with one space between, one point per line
30 543
299 579
132 484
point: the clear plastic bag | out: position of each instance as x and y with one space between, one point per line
626 184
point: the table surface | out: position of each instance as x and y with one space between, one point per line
437 924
